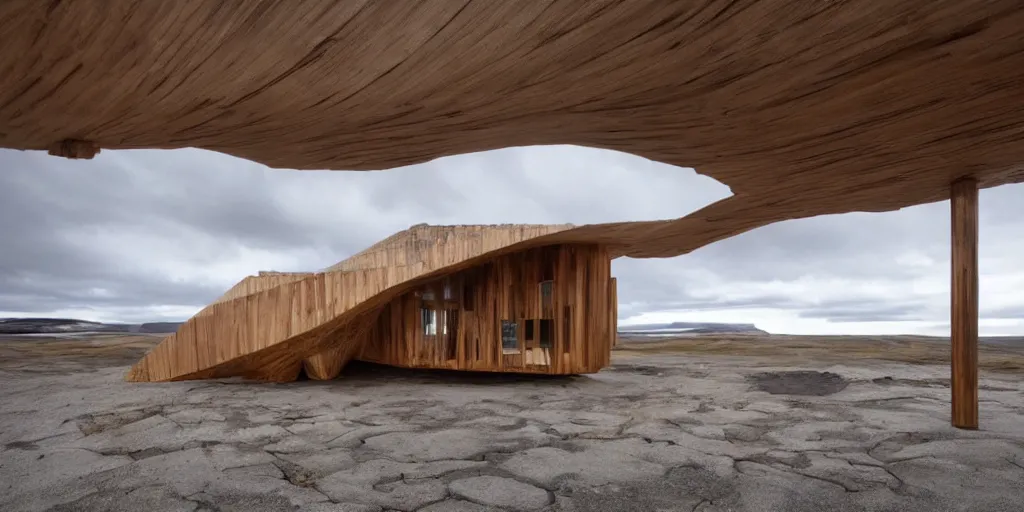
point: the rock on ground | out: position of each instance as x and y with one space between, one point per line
500 492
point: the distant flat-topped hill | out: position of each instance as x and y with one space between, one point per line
73 326
676 329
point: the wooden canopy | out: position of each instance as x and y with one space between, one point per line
802 108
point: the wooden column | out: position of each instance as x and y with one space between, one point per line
964 303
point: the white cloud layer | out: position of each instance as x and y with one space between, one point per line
152 235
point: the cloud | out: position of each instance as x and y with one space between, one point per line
150 235
868 311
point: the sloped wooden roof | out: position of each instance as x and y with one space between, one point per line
801 108
414 245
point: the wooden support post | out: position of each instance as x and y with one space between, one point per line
964 303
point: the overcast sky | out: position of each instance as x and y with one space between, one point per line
154 235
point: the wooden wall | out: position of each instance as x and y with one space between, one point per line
571 331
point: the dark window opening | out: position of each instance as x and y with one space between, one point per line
451 327
529 330
467 297
509 337
548 272
547 291
547 333
567 328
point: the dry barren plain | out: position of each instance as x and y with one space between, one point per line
702 424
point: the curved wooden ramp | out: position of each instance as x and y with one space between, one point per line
319 317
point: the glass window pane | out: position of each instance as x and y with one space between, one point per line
509 336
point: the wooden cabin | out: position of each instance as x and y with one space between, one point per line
549 309
503 298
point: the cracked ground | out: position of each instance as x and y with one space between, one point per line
653 432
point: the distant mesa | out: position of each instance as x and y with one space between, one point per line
158 327
676 329
75 326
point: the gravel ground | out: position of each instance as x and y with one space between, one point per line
654 432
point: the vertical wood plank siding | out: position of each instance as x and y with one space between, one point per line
466 333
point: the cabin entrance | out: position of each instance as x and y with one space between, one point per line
439 324
530 341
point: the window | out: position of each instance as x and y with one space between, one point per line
451 330
467 297
428 319
528 335
547 333
509 337
567 328
547 307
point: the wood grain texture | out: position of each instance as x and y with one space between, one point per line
964 304
255 284
801 108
